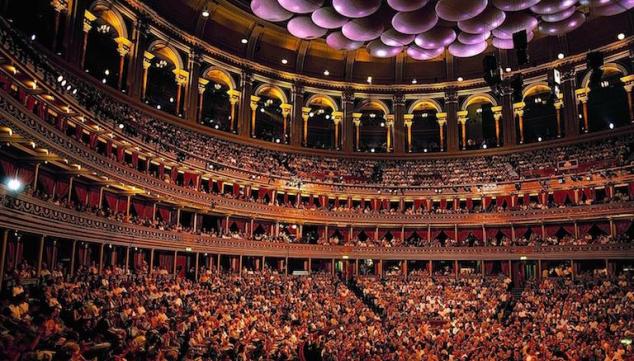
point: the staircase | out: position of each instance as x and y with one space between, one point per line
368 300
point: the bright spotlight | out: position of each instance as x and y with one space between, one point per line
14 184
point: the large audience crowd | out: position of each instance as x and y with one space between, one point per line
115 315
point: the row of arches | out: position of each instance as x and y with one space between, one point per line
176 80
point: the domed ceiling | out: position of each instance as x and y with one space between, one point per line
397 41
425 28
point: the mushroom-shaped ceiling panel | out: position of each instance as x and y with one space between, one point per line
461 50
304 28
564 26
356 8
301 6
488 20
437 37
418 53
380 50
514 5
363 29
338 41
270 10
407 5
415 22
328 18
460 10
392 37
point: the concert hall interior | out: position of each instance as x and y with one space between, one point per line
191 180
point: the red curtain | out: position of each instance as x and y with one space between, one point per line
505 268
61 187
26 175
111 200
551 229
138 260
443 203
81 192
166 261
164 213
621 226
51 254
135 160
181 262
46 181
109 148
463 233
236 189
93 140
120 154
78 131
143 209
93 196
584 228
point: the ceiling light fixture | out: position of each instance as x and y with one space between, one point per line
621 36
205 13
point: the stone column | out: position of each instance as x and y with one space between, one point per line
462 120
389 126
518 111
181 77
137 75
305 117
59 7
399 130
298 135
286 111
582 96
497 115
244 119
356 120
570 110
558 105
192 89
628 82
451 109
508 117
234 98
202 86
88 19
147 62
124 46
347 98
441 118
254 108
337 119
408 121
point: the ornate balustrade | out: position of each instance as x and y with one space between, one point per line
27 214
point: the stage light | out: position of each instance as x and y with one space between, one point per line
14 184
121 126
560 56
611 125
460 78
205 13
326 72
244 41
621 36
33 37
284 61
414 81
539 139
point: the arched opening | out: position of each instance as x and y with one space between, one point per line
607 101
165 78
425 127
320 124
102 59
540 115
373 127
215 100
479 128
107 45
270 123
